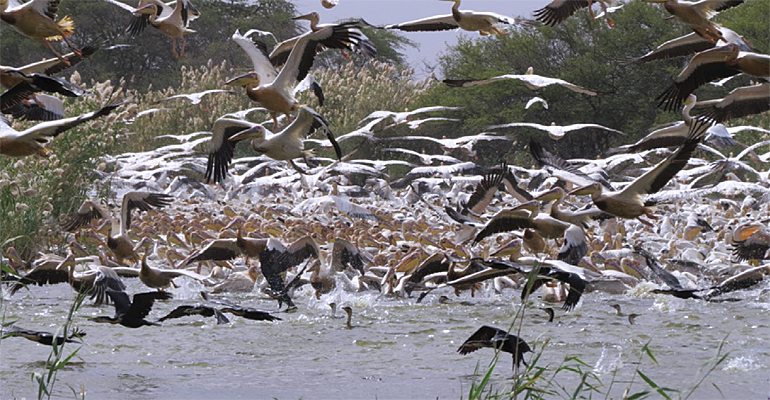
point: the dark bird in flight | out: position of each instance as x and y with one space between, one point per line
495 338
131 315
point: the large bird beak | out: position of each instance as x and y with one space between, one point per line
306 16
552 194
245 79
254 131
585 190
531 205
146 10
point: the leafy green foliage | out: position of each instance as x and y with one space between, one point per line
584 52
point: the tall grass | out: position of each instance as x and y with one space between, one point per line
36 193
538 381
57 359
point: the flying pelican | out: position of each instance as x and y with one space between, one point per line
131 314
162 278
697 14
495 338
28 85
529 78
692 43
554 131
30 141
41 107
118 241
285 145
710 65
628 203
171 21
559 10
281 51
671 135
483 22
273 89
743 101
37 20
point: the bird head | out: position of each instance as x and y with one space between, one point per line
553 194
249 133
312 17
245 79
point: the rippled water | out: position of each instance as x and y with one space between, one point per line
396 349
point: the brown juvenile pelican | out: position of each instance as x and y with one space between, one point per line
118 241
37 20
498 339
171 21
131 314
485 23
529 78
30 141
629 203
46 338
162 278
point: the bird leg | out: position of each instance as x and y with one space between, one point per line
56 53
184 43
70 45
173 47
297 168
610 22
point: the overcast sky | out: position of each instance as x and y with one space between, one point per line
383 12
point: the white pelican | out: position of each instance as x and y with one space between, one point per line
692 43
671 135
37 20
118 241
710 65
743 101
274 90
13 101
285 145
30 141
555 132
426 159
697 14
41 107
171 21
281 51
483 22
559 10
628 203
196 98
529 78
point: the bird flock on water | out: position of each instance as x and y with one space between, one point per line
648 211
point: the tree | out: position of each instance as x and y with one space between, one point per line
582 51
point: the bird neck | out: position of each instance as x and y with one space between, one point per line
456 11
